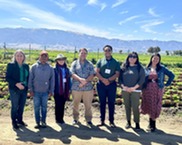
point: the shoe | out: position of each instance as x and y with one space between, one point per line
101 124
44 125
15 126
89 123
37 126
128 125
22 123
75 122
137 126
60 122
112 125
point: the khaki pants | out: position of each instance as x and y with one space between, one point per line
131 101
87 97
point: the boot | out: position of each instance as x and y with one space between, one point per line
137 126
150 123
153 126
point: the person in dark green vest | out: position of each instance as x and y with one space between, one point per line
17 74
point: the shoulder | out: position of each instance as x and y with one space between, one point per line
89 62
74 62
26 65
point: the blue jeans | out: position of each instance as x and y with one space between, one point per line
40 106
18 99
110 93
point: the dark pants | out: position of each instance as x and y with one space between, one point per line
18 99
59 107
110 93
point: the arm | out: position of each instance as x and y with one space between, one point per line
30 81
52 82
170 75
105 81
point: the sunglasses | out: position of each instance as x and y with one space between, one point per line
107 50
132 56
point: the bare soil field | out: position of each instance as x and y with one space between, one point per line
169 128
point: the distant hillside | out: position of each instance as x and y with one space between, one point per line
58 39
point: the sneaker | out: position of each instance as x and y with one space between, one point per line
101 124
60 122
128 125
75 122
89 123
22 123
44 125
37 126
112 125
15 126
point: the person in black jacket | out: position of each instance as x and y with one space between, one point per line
17 74
62 87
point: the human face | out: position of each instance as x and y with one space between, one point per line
61 61
19 57
155 60
107 52
43 58
82 55
132 59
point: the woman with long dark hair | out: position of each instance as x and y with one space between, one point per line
154 89
132 77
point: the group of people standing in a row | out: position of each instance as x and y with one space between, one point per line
43 81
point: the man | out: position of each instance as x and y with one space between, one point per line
107 70
82 72
41 85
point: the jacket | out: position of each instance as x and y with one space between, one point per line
161 76
58 90
13 75
41 78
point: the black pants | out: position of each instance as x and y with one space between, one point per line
59 107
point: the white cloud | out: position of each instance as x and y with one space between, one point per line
46 19
92 2
148 26
26 19
123 12
177 28
97 3
118 2
152 12
128 19
65 6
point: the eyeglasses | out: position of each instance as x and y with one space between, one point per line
107 50
132 56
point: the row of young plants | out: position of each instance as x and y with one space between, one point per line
172 95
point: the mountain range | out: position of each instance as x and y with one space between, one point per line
25 38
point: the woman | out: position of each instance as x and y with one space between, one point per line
154 88
62 87
17 77
132 77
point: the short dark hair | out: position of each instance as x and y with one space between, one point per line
109 46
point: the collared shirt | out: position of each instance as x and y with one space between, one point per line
108 67
84 71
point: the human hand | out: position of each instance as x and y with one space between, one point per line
20 86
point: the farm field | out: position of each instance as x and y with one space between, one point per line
171 98
169 123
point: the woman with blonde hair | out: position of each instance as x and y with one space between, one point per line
17 74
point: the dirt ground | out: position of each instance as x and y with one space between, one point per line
169 129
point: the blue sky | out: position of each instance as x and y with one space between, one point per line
122 19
